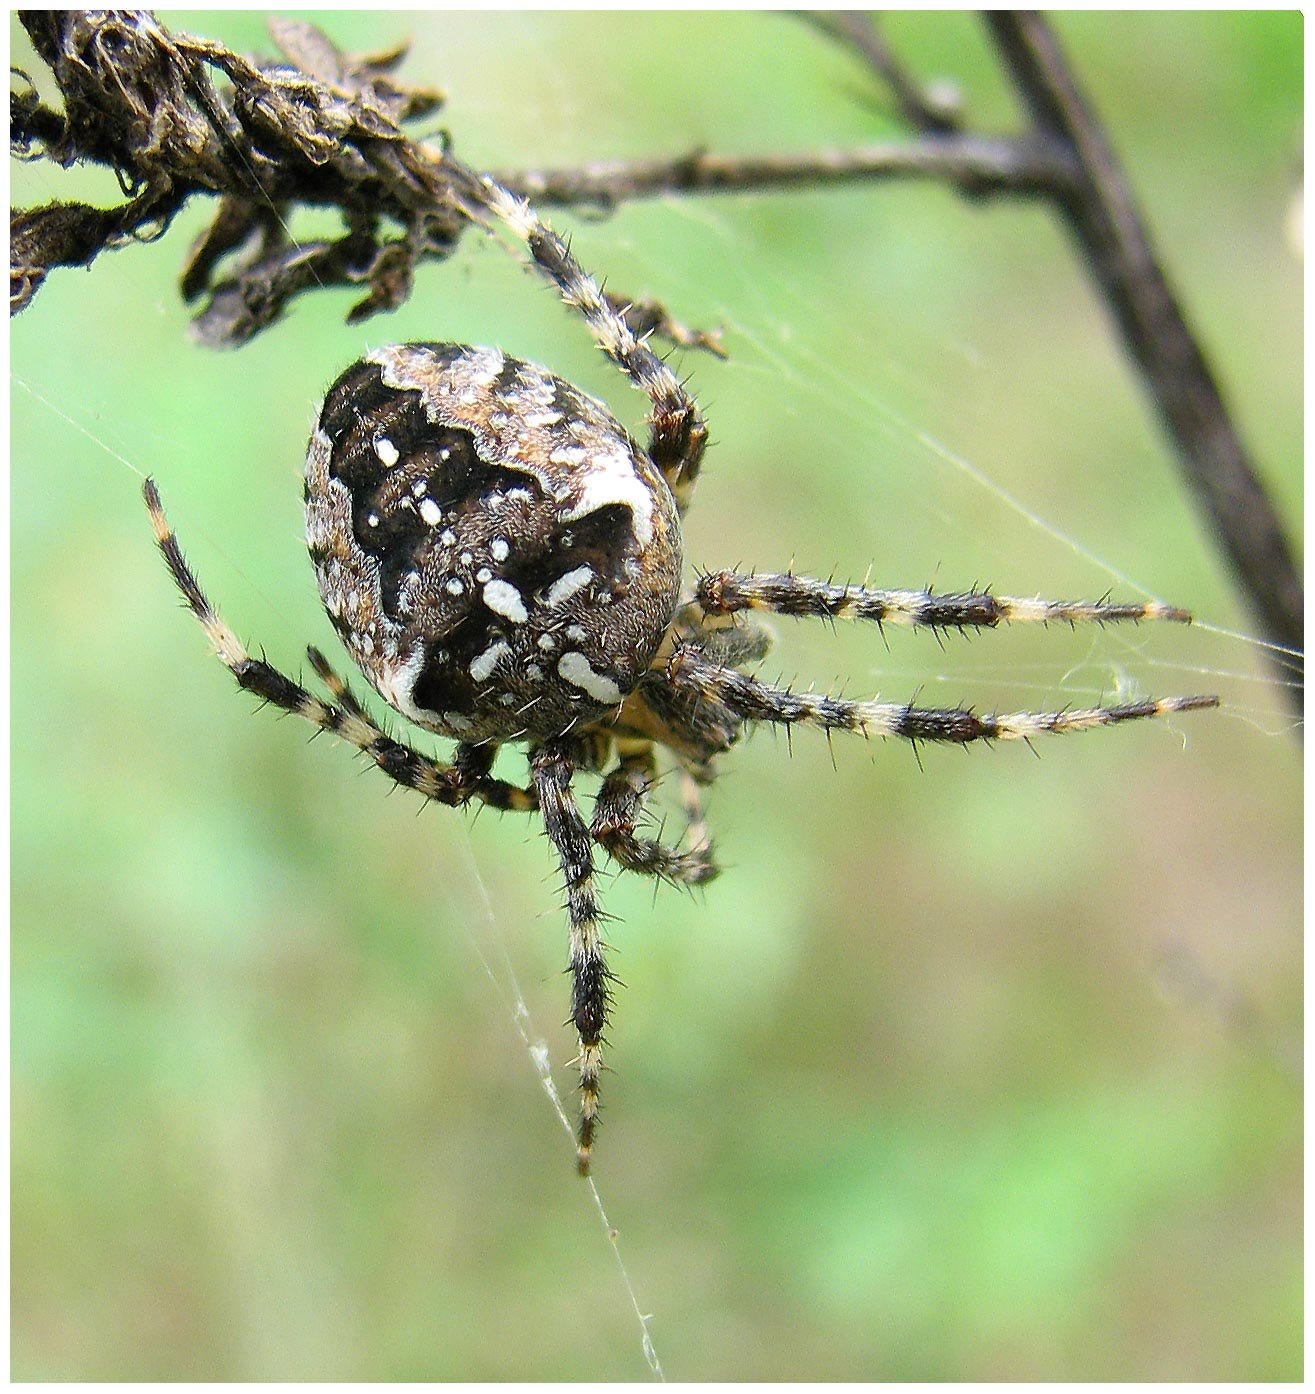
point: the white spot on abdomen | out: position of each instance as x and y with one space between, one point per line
504 599
483 664
564 587
576 669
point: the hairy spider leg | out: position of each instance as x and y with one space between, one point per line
726 592
445 784
617 811
552 767
470 762
677 431
751 700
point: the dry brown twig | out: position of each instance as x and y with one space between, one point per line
319 129
177 117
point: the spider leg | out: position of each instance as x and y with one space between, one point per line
471 763
338 689
552 768
617 811
345 717
677 431
751 700
725 593
691 795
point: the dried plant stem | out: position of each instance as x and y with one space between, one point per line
1100 211
984 163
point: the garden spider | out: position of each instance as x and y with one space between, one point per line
504 564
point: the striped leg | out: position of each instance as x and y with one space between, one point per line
344 717
725 593
677 432
590 979
617 810
751 700
471 763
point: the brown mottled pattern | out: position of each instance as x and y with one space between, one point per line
528 557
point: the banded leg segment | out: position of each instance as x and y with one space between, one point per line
617 811
590 979
727 592
344 717
677 431
471 763
750 700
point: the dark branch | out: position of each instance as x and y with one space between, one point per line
933 110
979 163
1100 211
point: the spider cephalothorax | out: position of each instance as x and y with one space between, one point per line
503 562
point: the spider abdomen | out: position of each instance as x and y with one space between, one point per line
497 554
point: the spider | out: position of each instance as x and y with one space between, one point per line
504 564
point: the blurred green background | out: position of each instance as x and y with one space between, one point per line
987 1070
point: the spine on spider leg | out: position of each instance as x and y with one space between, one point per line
726 592
679 432
590 978
750 700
